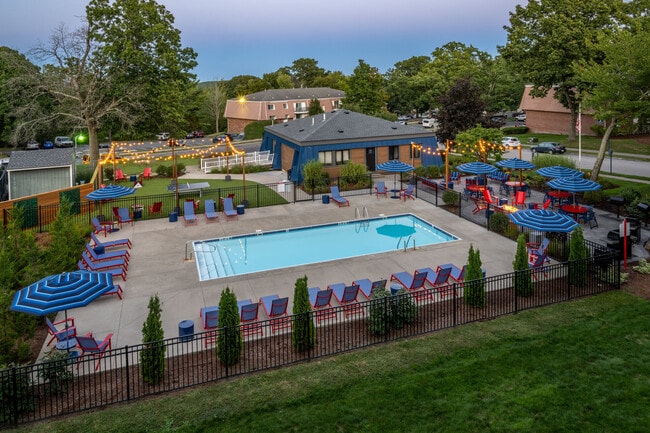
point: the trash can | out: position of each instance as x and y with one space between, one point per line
326 199
173 217
394 288
134 178
186 330
137 213
241 209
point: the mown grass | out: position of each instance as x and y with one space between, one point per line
576 367
620 145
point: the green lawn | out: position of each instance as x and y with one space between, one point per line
581 366
622 145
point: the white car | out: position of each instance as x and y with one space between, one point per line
521 118
512 142
63 141
162 136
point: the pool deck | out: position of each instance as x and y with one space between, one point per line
158 263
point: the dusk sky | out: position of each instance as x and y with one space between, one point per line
253 37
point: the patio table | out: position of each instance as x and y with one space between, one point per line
574 209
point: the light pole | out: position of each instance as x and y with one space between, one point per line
172 143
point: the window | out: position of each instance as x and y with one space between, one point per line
336 104
285 106
415 151
270 106
393 152
336 157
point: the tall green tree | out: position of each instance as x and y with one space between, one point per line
578 269
402 87
523 282
474 290
303 331
229 340
618 85
546 37
461 108
305 72
478 143
365 90
152 356
137 41
67 242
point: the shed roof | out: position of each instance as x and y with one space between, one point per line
37 159
344 125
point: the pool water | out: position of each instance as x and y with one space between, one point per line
263 251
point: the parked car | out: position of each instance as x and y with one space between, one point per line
63 141
195 134
32 145
548 147
521 117
430 123
47 144
219 139
162 136
512 142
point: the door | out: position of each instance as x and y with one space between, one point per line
370 158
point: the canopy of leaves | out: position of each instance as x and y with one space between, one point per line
461 108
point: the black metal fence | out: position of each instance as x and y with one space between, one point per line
32 393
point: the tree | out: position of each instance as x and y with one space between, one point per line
402 87
461 108
480 142
619 86
66 243
306 71
523 283
315 107
303 331
152 357
138 43
578 269
474 293
365 92
546 37
216 98
229 340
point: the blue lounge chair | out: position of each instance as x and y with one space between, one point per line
537 265
210 212
276 311
124 216
535 249
110 244
229 208
321 303
380 189
248 314
347 297
68 331
368 287
108 255
457 274
413 283
99 265
189 217
439 279
115 272
210 321
336 196
116 290
90 346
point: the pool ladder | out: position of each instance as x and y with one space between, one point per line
406 243
361 214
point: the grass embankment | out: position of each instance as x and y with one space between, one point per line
578 366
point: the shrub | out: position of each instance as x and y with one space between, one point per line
474 293
56 370
84 173
18 398
168 170
314 177
152 357
67 242
303 333
546 160
450 198
404 310
430 171
229 341
577 254
514 130
379 312
498 222
643 267
523 283
108 174
353 175
594 197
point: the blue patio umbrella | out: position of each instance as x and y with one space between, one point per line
559 171
543 220
394 166
573 185
516 164
395 230
61 292
110 192
477 168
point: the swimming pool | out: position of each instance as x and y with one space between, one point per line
263 251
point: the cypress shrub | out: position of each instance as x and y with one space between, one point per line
523 283
498 222
474 293
379 315
577 259
229 341
450 198
152 357
303 334
404 309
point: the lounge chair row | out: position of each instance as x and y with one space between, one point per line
116 262
210 212
275 307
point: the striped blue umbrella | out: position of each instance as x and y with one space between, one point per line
543 220
477 168
394 166
559 171
516 164
110 192
573 184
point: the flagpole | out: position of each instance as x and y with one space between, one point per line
579 128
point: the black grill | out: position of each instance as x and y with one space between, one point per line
644 208
617 201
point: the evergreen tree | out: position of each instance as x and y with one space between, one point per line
229 341
152 357
577 254
67 242
303 334
523 282
474 293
